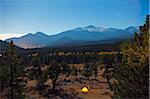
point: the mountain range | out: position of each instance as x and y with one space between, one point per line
78 36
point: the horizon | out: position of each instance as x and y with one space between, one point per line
3 37
18 18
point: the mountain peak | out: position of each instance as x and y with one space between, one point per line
93 28
90 26
132 29
29 34
40 34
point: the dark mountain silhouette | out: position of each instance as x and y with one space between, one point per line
4 46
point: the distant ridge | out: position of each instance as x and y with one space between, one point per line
75 36
4 46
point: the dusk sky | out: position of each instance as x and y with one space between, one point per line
19 17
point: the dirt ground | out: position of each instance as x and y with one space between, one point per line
70 88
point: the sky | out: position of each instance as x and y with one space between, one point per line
19 17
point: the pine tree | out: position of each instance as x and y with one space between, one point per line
4 73
74 71
53 72
16 73
36 70
132 74
95 69
87 70
108 61
65 69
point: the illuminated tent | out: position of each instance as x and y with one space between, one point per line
84 90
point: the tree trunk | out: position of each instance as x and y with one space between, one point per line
54 84
109 83
95 76
12 77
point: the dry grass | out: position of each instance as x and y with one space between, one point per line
72 89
